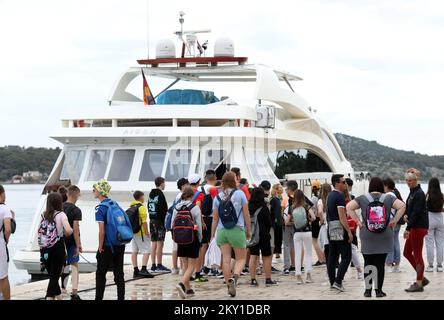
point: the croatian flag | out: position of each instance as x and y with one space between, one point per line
147 95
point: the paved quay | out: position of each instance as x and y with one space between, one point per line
163 287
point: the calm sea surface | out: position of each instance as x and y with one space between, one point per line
24 198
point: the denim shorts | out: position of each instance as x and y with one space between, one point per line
70 252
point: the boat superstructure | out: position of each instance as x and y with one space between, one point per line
211 112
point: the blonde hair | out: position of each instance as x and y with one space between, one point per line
274 189
413 174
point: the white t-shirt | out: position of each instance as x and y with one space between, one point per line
4 214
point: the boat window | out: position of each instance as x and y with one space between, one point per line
296 161
178 164
121 165
73 166
97 164
213 159
152 164
258 166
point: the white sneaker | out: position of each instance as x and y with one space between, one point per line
396 269
360 276
429 269
439 269
299 280
175 271
309 278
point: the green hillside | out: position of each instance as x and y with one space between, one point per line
15 160
379 160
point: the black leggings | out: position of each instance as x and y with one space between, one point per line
278 235
378 261
54 265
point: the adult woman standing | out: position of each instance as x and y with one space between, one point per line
276 209
394 257
302 216
315 225
259 211
376 236
189 253
435 236
322 213
232 232
417 228
53 248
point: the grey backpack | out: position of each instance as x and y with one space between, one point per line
254 229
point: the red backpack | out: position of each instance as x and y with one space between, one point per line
183 226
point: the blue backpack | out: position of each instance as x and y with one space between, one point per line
118 229
227 212
169 216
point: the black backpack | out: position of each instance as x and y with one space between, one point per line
227 212
133 215
207 204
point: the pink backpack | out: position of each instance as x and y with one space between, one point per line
376 218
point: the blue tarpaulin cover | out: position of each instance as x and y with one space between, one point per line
186 96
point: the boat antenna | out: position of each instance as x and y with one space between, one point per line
182 20
148 28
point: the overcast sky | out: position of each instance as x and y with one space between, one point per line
373 69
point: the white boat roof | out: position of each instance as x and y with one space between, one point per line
231 73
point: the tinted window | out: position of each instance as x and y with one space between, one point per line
213 158
152 165
178 164
73 166
121 165
97 164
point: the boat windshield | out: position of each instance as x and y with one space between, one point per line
121 165
73 165
97 164
153 161
179 163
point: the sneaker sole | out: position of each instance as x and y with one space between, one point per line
182 293
232 288
338 289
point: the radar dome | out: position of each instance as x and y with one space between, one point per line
224 47
165 49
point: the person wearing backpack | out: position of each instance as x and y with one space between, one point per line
376 231
157 210
197 200
52 229
73 243
141 242
231 218
6 221
302 216
260 238
208 192
182 183
115 231
187 233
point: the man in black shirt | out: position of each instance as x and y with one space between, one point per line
339 234
73 243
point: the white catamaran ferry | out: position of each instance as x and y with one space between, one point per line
210 112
